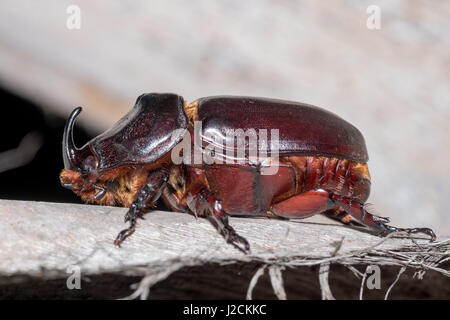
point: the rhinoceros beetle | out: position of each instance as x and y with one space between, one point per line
320 163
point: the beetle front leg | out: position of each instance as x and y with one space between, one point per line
376 223
149 193
203 203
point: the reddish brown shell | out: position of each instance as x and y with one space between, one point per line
303 129
145 134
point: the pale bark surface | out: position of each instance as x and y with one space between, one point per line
41 240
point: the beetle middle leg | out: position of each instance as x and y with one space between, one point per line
149 193
373 222
203 203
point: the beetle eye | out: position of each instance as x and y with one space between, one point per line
88 166
85 170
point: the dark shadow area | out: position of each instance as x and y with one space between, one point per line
37 180
213 281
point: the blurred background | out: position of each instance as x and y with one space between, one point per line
391 82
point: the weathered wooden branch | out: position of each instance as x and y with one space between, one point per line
40 241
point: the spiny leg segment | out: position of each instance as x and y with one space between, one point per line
150 193
373 222
203 203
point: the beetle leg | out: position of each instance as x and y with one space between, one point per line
376 223
427 231
341 216
203 203
150 192
100 194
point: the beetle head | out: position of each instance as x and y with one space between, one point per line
79 172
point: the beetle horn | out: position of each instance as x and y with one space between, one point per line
68 148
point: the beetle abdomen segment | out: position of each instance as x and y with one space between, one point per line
319 181
243 190
338 176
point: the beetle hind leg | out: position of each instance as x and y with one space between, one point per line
204 204
378 224
341 216
426 231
